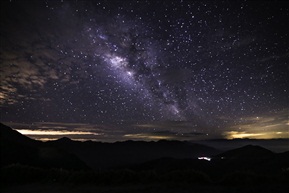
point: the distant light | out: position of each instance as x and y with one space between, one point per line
205 158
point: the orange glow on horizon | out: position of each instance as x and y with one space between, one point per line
47 132
263 135
147 136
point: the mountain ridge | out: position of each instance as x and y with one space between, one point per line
19 149
137 155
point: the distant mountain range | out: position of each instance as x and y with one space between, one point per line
99 155
136 155
17 148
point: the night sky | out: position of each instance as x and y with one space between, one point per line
145 70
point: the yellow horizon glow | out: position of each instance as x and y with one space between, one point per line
47 132
263 135
241 135
54 138
147 136
261 127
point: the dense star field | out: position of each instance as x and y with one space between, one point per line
118 70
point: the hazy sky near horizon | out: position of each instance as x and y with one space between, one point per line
148 70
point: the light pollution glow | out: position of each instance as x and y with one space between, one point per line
266 127
242 135
273 126
47 132
147 136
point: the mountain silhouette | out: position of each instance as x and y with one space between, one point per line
19 149
16 148
66 153
9 135
137 163
98 155
252 158
136 155
247 152
247 158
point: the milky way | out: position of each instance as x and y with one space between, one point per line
160 69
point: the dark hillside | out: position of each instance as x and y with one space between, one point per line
19 149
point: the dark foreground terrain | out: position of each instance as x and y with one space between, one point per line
165 166
144 188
